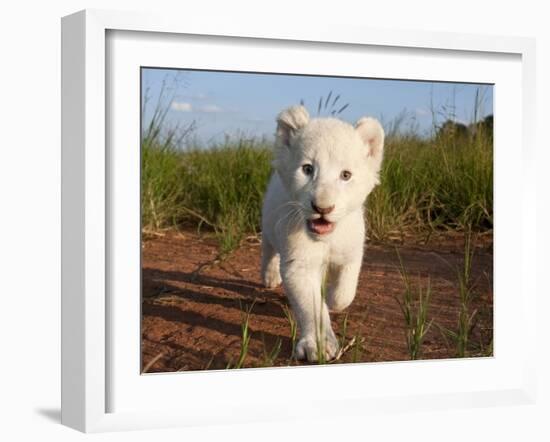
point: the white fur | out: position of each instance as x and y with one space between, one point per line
291 252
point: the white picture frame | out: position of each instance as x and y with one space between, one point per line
86 206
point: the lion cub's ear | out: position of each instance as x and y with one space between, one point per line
372 134
289 121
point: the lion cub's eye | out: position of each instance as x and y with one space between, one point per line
307 169
345 175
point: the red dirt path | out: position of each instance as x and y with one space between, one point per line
191 304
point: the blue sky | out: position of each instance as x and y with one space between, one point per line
228 104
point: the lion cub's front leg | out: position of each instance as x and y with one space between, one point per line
271 275
302 282
342 283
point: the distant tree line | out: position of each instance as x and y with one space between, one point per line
454 129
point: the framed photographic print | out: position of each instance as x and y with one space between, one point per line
252 213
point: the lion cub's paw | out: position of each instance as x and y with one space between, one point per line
272 278
307 348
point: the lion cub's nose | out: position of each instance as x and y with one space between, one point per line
322 210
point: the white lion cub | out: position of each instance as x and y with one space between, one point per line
312 218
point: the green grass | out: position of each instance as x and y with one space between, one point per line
415 312
270 356
293 329
466 316
220 188
427 185
245 336
433 184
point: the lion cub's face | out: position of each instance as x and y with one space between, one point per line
328 166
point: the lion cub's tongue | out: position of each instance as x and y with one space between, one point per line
321 226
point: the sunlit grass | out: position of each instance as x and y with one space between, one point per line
293 329
433 184
427 185
245 336
414 305
466 316
220 188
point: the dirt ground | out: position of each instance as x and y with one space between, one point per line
193 303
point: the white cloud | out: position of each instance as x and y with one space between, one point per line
422 111
181 106
210 108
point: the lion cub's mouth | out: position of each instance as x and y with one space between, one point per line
320 226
